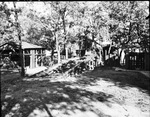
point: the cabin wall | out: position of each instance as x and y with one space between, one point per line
34 57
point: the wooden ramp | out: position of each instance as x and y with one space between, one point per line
33 71
146 73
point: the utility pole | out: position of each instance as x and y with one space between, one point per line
20 42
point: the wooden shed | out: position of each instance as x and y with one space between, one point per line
32 53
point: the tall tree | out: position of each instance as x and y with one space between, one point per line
20 40
126 19
7 26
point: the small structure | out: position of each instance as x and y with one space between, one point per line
32 53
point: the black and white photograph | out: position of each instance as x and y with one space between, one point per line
75 58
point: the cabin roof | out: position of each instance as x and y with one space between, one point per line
25 45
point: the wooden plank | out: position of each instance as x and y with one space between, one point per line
33 71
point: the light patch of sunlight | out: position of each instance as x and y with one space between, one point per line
48 92
85 99
3 107
63 103
24 100
9 114
16 107
79 113
75 113
94 89
34 79
64 79
50 105
134 89
70 112
59 105
115 110
99 86
65 95
134 95
55 92
55 112
27 90
136 112
39 113
105 83
60 113
8 96
78 105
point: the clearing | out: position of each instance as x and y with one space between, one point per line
102 92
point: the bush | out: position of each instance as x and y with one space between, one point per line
47 61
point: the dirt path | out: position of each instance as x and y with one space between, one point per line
99 93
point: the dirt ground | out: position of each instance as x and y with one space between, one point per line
98 93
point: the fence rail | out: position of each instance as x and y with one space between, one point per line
137 61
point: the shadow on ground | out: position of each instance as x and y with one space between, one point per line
19 98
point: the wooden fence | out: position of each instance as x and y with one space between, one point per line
137 61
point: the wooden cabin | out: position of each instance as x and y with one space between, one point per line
32 53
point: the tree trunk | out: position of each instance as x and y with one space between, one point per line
109 50
66 50
119 57
20 42
59 54
93 39
21 58
64 27
52 54
57 48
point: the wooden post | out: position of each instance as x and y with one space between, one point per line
30 58
66 53
32 62
58 54
41 63
36 58
58 48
